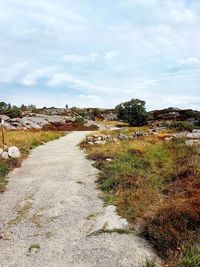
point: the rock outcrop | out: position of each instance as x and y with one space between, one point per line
33 122
175 114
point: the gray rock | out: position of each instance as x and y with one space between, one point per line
181 134
90 143
100 142
193 121
139 133
5 155
8 126
192 142
169 138
13 152
193 135
89 138
95 136
4 117
109 221
123 137
196 131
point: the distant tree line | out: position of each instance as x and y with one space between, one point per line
13 111
9 110
133 112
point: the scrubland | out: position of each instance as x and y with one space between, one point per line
155 185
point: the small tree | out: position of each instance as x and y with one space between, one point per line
14 112
132 112
23 107
32 108
95 113
3 106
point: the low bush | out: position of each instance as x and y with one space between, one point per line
79 119
13 112
76 126
174 225
181 126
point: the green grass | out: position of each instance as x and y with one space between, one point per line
189 258
150 263
3 172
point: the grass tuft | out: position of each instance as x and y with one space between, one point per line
150 263
190 257
35 247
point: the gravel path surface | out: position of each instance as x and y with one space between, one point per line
49 208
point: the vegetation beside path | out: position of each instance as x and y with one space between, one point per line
25 141
155 184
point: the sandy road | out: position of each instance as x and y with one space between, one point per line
48 209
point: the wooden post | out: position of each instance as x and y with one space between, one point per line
2 133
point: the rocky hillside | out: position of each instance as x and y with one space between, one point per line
175 114
30 117
33 121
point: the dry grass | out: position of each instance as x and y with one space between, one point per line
114 123
26 140
155 184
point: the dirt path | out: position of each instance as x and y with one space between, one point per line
48 209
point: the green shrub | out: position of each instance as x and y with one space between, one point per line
132 112
181 126
79 119
13 112
95 113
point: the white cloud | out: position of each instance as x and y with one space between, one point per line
138 2
89 100
190 61
76 58
65 79
114 51
32 78
111 54
10 73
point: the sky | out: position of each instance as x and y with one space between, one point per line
99 53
